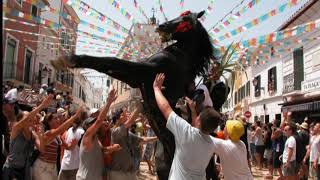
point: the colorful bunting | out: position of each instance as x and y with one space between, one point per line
54 25
86 9
258 20
161 10
123 11
236 15
139 8
208 10
278 36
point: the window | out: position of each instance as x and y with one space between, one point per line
266 119
34 10
79 93
248 88
272 80
27 67
40 73
278 117
9 65
62 40
243 92
257 86
298 68
235 98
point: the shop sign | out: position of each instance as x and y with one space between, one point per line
288 83
298 107
308 86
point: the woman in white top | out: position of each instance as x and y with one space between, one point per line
259 144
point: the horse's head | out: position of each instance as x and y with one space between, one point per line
179 27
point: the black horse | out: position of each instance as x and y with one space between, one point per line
181 62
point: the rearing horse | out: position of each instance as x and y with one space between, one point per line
181 62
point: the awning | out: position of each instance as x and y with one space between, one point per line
311 106
316 106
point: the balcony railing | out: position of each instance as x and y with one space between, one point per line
9 70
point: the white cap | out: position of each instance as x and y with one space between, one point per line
44 85
93 110
60 111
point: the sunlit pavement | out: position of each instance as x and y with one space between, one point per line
145 175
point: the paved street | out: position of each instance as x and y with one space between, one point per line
145 175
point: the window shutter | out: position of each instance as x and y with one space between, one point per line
298 68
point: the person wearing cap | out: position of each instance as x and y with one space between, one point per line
233 153
15 166
190 165
305 139
43 89
94 112
91 158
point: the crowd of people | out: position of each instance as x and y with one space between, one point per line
291 149
55 140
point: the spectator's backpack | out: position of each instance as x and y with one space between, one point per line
299 148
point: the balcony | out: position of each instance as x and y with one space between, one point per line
9 71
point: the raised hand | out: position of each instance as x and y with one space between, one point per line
158 81
47 101
191 103
112 96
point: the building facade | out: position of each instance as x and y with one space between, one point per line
18 46
283 84
54 43
301 70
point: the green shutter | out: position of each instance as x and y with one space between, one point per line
298 68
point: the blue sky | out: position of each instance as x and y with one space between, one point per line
172 9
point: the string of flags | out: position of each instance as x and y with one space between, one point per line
54 25
139 8
181 3
208 10
161 10
277 36
258 20
86 9
123 11
236 15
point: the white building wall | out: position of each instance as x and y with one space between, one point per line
267 104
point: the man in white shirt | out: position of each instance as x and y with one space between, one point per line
71 159
194 146
289 168
14 94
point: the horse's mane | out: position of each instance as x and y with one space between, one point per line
205 50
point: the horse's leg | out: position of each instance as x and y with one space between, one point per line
128 72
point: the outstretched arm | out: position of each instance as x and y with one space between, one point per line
92 130
26 119
162 102
53 133
131 119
